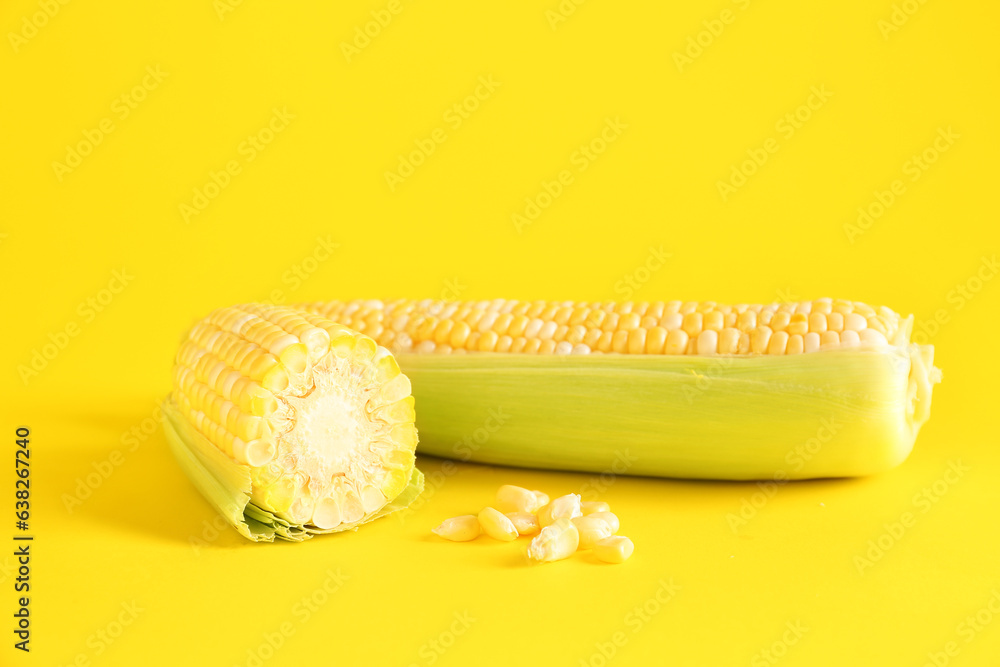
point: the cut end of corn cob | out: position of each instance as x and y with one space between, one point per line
320 415
688 389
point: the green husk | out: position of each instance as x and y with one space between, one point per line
226 485
832 413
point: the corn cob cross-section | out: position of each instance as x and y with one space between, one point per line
292 424
822 388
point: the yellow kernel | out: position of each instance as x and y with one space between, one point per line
576 334
512 498
835 322
459 528
628 322
744 345
496 525
817 322
747 320
656 338
637 341
502 323
795 344
615 549
604 342
504 343
780 321
591 506
442 331
778 342
798 324
518 323
526 523
518 345
563 314
608 517
619 342
677 341
488 341
692 324
849 338
829 339
591 530
713 321
459 334
594 320
729 341
580 316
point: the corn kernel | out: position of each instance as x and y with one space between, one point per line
592 530
564 507
512 498
556 541
526 523
591 506
614 549
609 518
496 525
459 528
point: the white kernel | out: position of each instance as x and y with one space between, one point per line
556 541
872 337
563 507
564 347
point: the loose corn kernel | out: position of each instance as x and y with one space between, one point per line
543 498
591 506
526 523
556 541
614 549
512 498
496 525
609 518
563 507
459 528
591 530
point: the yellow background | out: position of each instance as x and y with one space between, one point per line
447 230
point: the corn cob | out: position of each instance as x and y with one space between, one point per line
822 388
291 424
